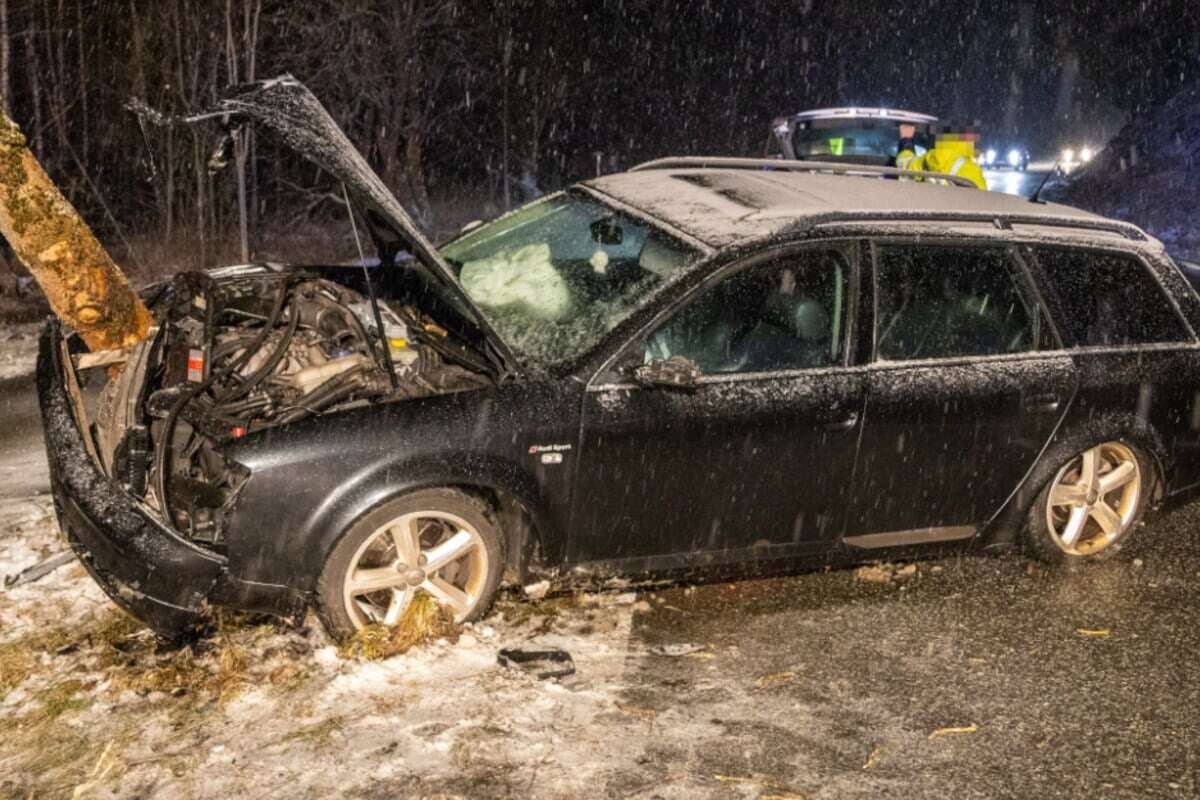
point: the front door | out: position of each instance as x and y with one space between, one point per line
756 460
967 385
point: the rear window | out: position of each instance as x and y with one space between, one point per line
1109 299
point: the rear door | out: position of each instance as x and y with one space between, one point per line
1135 352
966 386
756 460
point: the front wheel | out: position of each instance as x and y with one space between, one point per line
1091 505
438 541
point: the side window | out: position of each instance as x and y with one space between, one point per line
1109 298
784 314
943 302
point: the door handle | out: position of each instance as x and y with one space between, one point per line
1041 402
844 424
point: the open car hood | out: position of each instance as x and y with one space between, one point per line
292 114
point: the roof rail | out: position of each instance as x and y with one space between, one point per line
999 220
859 170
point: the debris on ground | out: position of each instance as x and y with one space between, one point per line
775 677
647 714
1097 632
545 664
873 758
536 591
885 572
39 570
779 792
874 573
676 650
940 732
423 620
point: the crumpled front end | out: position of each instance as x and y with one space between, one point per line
145 567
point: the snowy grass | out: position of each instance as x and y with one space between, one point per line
89 699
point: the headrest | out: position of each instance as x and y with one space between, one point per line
803 316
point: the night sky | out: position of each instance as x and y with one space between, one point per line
476 96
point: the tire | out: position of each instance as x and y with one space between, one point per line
448 519
1074 520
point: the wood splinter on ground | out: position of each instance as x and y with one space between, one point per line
940 732
1101 632
85 287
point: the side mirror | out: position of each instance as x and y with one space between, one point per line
676 372
607 231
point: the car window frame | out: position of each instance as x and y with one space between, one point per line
1047 287
610 376
1027 288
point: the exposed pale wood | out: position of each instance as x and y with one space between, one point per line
85 288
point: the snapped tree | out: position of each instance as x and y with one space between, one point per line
86 289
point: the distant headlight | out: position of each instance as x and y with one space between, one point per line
989 157
1014 157
1085 155
1068 155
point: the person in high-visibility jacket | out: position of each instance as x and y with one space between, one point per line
952 154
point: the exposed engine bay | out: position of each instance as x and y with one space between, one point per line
238 355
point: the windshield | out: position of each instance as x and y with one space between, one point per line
875 141
557 275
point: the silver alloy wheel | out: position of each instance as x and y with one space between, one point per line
433 551
1094 498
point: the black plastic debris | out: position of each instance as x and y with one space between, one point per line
545 664
39 570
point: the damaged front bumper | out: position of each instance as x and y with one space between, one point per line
146 568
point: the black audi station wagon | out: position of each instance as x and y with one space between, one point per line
694 365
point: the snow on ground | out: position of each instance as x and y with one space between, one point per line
18 349
86 700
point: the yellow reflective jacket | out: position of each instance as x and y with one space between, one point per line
945 160
905 158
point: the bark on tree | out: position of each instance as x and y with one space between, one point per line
85 288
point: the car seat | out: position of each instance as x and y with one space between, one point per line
793 333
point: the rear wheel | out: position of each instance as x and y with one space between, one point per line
438 541
1091 505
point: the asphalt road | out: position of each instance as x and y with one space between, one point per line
1011 181
1052 684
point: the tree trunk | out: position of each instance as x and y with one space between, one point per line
85 288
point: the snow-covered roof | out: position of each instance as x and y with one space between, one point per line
724 206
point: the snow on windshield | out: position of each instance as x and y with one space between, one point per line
557 275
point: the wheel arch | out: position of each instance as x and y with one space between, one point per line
512 496
1073 437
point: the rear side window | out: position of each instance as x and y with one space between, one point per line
1109 299
946 302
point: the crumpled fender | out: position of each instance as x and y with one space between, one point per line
145 567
